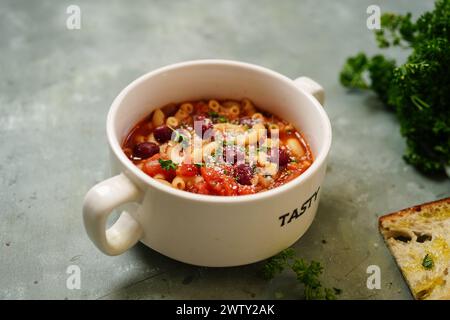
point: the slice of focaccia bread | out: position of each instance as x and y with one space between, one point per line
419 239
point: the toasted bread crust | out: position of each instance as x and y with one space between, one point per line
412 210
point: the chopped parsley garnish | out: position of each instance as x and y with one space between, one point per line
167 164
222 119
179 137
427 262
199 165
216 117
307 273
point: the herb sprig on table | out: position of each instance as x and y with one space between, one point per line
307 273
418 91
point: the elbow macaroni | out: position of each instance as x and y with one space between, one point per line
234 111
179 183
258 117
158 118
187 107
181 114
172 122
214 105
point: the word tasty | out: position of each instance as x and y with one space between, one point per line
297 212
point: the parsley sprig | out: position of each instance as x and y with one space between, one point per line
416 90
307 273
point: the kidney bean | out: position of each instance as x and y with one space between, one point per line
283 157
145 150
162 133
243 174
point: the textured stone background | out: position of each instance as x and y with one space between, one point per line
56 86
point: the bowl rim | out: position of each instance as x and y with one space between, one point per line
116 148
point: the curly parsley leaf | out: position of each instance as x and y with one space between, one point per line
417 90
278 263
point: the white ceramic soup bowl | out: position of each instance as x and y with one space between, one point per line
203 229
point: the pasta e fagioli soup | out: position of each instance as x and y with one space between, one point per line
218 147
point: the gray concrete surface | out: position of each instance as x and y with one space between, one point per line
56 86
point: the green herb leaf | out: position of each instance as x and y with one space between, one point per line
427 262
416 90
167 164
278 263
181 138
307 273
216 117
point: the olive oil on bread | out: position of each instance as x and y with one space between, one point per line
419 239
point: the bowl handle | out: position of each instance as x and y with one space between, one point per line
98 204
311 87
